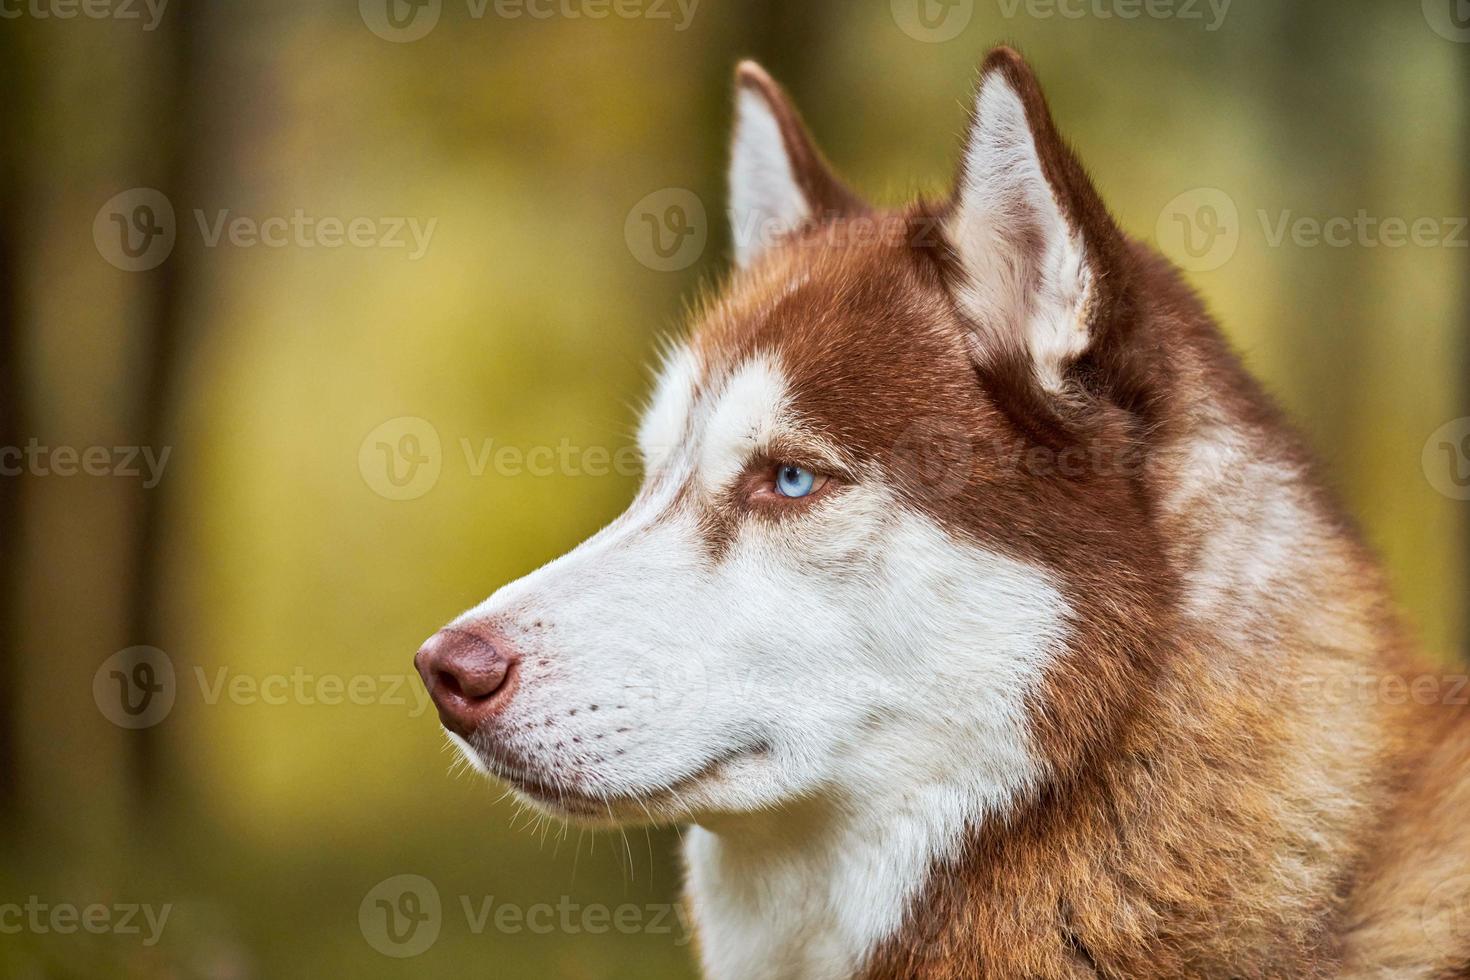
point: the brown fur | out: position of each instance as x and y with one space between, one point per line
1212 810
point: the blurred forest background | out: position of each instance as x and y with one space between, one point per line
531 153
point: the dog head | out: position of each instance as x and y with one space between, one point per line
894 525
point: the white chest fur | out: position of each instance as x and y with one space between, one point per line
782 905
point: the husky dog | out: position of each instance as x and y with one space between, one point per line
980 613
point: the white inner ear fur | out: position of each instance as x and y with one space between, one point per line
1004 194
765 199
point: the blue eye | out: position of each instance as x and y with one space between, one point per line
793 481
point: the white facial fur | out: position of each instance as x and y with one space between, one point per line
850 680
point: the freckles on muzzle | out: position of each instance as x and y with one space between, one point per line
471 672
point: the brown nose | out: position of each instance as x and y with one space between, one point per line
468 672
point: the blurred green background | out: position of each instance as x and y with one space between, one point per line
272 549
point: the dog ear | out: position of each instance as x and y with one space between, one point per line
1036 248
778 178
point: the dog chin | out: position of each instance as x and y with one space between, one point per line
716 786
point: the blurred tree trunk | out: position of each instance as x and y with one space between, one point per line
14 81
178 134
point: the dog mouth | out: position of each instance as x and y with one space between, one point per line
568 801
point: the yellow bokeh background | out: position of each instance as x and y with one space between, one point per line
528 321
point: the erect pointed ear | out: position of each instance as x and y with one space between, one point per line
1036 248
778 178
